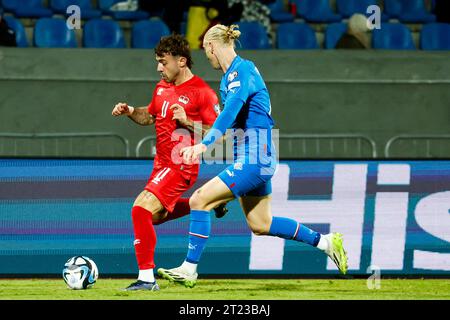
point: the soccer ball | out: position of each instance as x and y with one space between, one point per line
80 272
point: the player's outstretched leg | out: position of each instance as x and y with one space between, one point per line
257 211
179 275
334 248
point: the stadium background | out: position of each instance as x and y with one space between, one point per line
362 105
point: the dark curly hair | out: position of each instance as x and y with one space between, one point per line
176 45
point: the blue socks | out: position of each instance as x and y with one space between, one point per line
290 229
199 230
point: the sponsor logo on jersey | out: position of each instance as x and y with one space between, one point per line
183 99
232 76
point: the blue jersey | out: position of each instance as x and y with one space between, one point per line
243 84
246 106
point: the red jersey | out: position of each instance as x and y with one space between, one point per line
200 103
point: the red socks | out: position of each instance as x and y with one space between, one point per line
145 237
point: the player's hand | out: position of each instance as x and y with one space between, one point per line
191 154
122 108
179 114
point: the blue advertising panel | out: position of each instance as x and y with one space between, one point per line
394 216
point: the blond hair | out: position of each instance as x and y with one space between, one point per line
223 34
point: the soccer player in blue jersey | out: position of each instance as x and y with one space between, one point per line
246 108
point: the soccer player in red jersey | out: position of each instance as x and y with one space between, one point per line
179 100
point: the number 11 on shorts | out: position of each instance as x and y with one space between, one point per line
160 175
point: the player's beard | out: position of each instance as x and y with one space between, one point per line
167 79
171 79
163 77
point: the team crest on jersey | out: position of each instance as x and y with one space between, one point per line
183 99
238 166
232 76
160 90
217 109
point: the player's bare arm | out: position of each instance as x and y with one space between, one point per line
179 114
139 115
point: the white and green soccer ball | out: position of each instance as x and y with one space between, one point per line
80 272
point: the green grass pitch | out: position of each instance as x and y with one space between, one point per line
232 289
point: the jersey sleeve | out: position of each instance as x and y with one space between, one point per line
151 106
209 107
237 93
238 84
224 121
